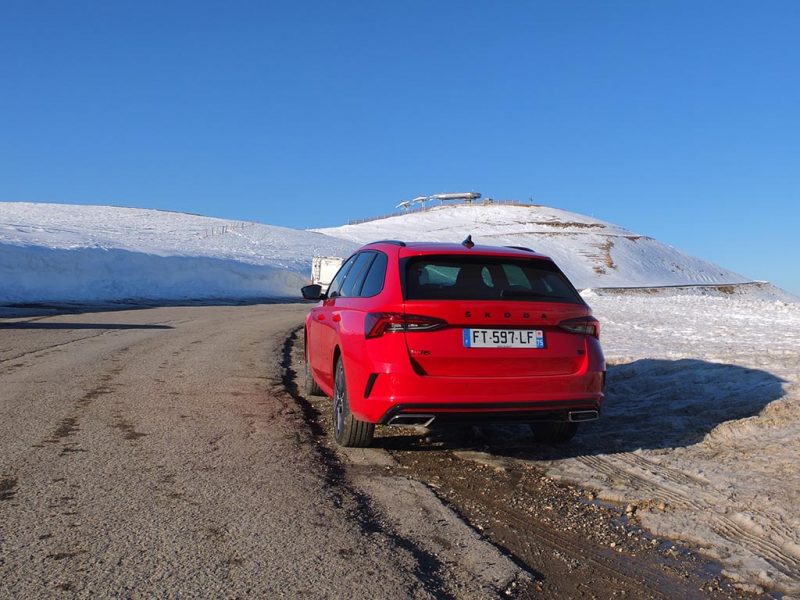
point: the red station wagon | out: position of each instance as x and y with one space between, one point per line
417 333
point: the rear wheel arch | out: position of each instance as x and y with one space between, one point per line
348 430
338 357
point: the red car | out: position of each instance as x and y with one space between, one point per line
416 333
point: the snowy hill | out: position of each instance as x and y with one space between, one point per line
591 252
72 253
58 253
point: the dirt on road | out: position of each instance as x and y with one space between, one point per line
166 452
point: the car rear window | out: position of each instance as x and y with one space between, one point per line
486 278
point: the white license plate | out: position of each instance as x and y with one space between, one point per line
503 338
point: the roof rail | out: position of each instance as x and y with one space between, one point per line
394 242
520 248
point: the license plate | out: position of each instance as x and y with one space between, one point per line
503 338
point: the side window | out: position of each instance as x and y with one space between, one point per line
487 277
373 283
439 274
354 279
516 276
432 274
333 288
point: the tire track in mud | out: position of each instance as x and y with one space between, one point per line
632 480
663 471
650 582
725 527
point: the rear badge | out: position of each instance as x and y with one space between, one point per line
507 315
421 352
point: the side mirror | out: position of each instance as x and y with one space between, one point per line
312 292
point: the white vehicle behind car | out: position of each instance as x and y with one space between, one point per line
323 268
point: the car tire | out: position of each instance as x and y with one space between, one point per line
347 430
311 388
559 432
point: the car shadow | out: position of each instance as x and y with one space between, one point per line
650 404
68 326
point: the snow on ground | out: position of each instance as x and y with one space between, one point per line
591 252
701 427
70 253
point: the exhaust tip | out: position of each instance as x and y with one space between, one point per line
412 420
577 416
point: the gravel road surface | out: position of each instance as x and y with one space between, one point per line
155 453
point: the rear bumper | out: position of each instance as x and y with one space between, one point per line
491 412
387 395
380 387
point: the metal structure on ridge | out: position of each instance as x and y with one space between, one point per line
467 197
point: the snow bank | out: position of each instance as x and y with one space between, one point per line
98 274
68 253
591 252
756 290
58 253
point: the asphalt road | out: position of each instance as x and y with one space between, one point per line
167 452
157 453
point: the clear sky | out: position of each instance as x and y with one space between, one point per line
677 119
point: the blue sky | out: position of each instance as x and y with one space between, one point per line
679 120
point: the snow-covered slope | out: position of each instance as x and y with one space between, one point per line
58 253
72 253
591 252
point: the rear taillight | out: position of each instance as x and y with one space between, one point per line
584 325
376 324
